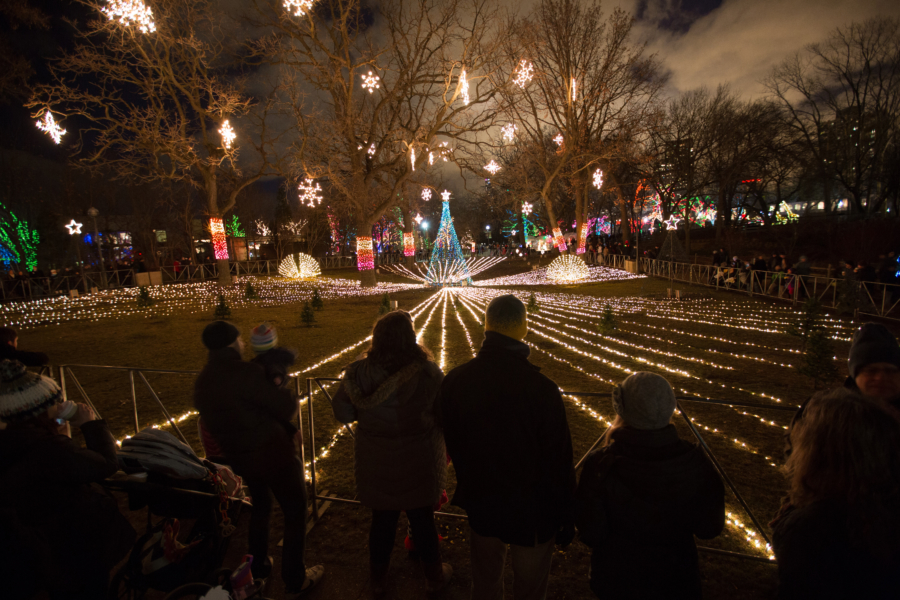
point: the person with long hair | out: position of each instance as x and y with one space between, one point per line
643 496
400 457
838 533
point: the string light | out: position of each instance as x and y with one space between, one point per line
412 157
130 12
371 82
567 268
524 73
558 240
527 208
73 227
365 257
672 223
299 266
228 135
574 87
300 7
598 178
582 238
464 87
445 196
492 167
409 243
48 125
509 132
309 193
220 244
262 229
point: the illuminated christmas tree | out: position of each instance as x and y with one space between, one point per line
447 266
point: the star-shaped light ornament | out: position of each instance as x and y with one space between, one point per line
371 82
598 179
418 219
672 223
74 228
309 193
426 194
300 7
492 167
49 126
445 196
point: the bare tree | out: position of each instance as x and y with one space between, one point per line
843 99
162 102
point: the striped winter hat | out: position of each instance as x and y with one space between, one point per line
263 338
24 395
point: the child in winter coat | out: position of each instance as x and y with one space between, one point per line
275 360
644 496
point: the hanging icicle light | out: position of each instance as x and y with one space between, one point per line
524 74
598 179
509 132
464 87
300 7
130 12
371 82
309 193
228 135
492 167
49 126
412 157
574 88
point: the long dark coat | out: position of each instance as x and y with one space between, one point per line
640 502
400 455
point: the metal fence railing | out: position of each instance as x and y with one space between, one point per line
860 298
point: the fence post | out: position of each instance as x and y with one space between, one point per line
62 381
312 449
137 426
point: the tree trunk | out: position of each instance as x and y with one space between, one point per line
721 209
558 240
409 236
365 255
625 228
581 217
224 269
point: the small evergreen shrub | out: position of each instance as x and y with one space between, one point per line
222 311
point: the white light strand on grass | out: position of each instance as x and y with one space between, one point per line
48 125
130 12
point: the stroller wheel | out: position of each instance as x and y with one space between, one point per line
189 591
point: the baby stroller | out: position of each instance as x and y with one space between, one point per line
192 505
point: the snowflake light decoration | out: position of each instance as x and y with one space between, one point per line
130 12
464 87
49 126
371 82
300 7
527 208
492 167
559 139
672 223
509 132
426 194
228 135
598 179
524 74
73 227
445 196
309 193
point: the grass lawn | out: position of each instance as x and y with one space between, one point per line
719 346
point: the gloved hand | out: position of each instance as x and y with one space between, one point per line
565 535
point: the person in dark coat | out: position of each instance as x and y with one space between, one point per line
507 435
61 533
400 458
274 359
9 350
644 496
837 535
247 416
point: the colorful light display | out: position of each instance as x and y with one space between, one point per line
365 256
217 231
299 266
48 125
409 243
558 240
582 238
130 12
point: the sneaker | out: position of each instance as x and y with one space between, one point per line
313 576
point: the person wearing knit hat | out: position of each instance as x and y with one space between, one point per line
61 535
647 493
263 338
874 364
220 334
274 359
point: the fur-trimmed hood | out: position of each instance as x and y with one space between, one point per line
384 391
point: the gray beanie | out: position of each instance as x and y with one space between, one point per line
645 401
872 343
219 334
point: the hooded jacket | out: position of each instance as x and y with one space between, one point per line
400 458
640 502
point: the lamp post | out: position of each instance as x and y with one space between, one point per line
94 213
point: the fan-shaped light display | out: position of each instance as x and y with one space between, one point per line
567 268
299 266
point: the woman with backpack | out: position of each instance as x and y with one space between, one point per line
400 454
643 496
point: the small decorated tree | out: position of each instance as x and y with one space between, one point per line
144 300
222 310
532 305
308 316
809 321
818 359
608 322
317 300
250 292
385 305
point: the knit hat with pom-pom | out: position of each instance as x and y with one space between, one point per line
263 338
24 395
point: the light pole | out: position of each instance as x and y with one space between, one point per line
94 213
